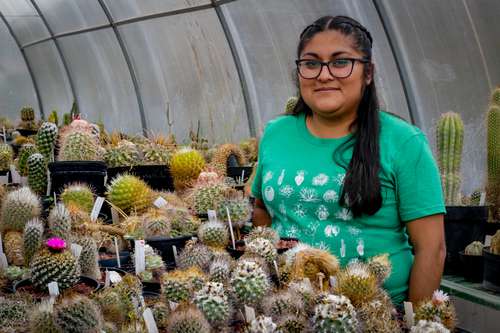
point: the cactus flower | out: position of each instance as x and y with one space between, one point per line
56 243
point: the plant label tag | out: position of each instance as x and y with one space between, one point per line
49 183
4 264
482 198
160 202
231 228
117 252
150 321
16 177
140 263
114 216
172 305
487 240
174 250
114 277
212 215
4 180
53 289
276 268
249 313
96 209
409 314
76 250
1 243
308 283
4 135
333 282
107 280
141 300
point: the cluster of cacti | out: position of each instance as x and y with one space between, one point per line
6 156
207 197
335 314
221 157
19 207
59 221
182 222
13 314
474 249
32 239
28 118
80 195
180 285
238 206
37 173
79 146
129 193
250 282
263 232
185 166
250 148
450 136
155 154
493 155
155 223
439 309
262 247
214 234
25 152
125 153
15 273
495 243
46 139
89 257
213 302
54 264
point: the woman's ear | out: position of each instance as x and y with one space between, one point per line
369 73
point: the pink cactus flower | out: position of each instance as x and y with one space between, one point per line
56 243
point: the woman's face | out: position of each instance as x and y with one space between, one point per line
326 95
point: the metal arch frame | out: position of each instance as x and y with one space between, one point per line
28 65
58 48
131 70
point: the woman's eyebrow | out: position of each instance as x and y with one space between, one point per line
334 54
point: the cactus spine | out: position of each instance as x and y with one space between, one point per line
60 221
450 137
78 314
89 257
129 193
26 151
213 302
37 173
46 139
493 155
32 238
6 156
19 207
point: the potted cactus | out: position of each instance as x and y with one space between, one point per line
493 156
491 278
472 260
463 224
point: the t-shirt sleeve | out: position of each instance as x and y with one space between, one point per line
418 185
257 181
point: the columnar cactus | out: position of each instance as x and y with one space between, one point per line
37 173
129 193
450 137
213 302
89 257
335 314
60 221
25 152
46 139
290 104
32 238
214 234
6 156
250 282
19 207
27 113
493 155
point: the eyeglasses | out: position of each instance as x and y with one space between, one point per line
338 68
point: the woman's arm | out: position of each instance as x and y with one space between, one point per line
260 215
427 236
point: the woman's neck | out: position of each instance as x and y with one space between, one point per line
329 128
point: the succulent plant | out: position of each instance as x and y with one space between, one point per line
27 113
46 139
213 302
262 247
53 117
42 320
13 314
76 313
250 282
54 263
290 104
474 249
179 285
13 246
292 324
493 155
309 262
250 148
357 283
380 266
214 234
207 197
32 238
220 158
19 207
378 315
156 224
155 154
79 145
263 232
426 326
450 136
129 193
238 206
439 308
37 173
89 257
80 195
282 303
187 319
25 152
495 243
185 166
194 254
182 222
220 270
262 324
125 153
60 221
6 156
14 273
335 314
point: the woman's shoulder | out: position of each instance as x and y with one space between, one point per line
279 124
394 127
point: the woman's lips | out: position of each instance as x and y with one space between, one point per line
326 89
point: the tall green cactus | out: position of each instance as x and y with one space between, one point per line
450 138
493 154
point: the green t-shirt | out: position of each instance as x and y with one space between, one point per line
300 184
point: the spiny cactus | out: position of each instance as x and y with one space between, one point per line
185 166
262 247
179 285
13 246
25 152
37 173
493 155
263 232
125 153
284 302
220 159
60 221
14 273
250 282
213 302
220 270
50 264
46 139
310 262
262 324
42 320
27 113
335 314
439 308
357 283
155 154
475 197
77 314
426 326
377 315
89 257
194 254
79 146
6 156
214 234
495 243
450 137
292 324
13 314
19 207
182 222
474 249
171 198
80 195
53 117
187 319
129 193
161 313
208 196
32 238
239 208
156 224
380 266
290 104
250 148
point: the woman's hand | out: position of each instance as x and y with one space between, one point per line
427 237
260 215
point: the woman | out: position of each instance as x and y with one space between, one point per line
340 174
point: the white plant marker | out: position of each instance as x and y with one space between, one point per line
117 253
212 215
96 209
49 183
160 202
333 282
173 305
16 177
4 135
4 180
150 321
114 216
107 280
231 228
482 198
76 250
3 261
53 289
140 264
487 240
249 313
276 268
174 250
409 314
114 277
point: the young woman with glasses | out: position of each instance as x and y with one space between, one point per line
339 173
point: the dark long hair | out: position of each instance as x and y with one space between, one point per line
361 189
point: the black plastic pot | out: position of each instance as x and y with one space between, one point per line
26 132
164 246
93 283
472 267
150 294
156 176
236 172
462 226
92 173
491 273
492 227
152 287
235 253
113 263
